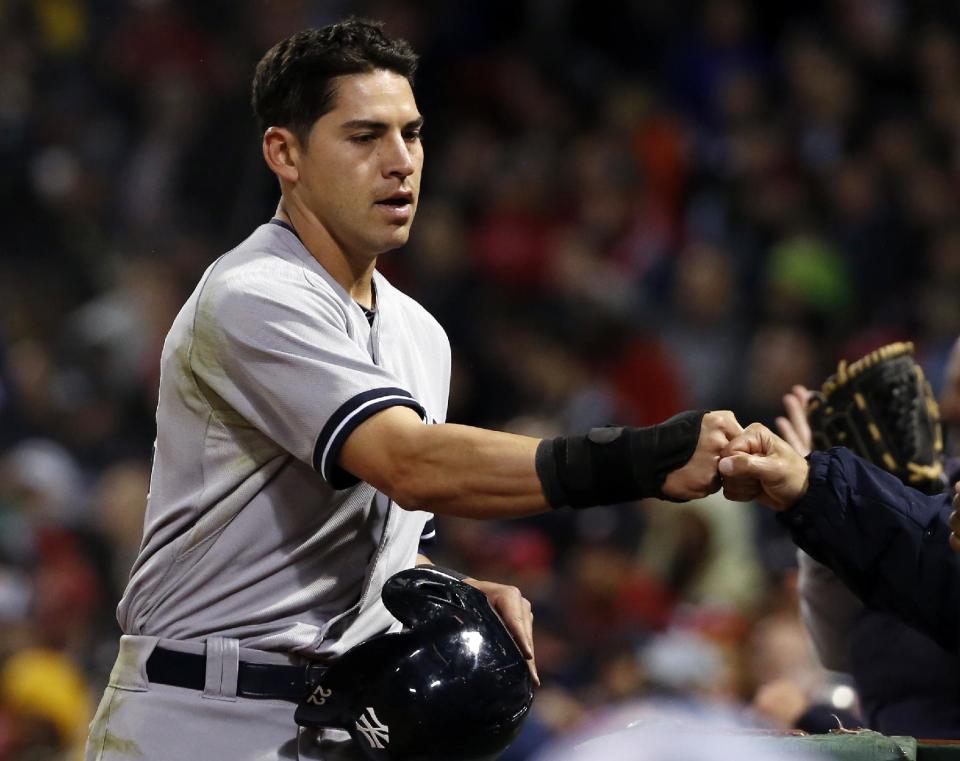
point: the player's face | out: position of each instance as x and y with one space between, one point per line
360 174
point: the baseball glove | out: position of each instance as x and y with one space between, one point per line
882 408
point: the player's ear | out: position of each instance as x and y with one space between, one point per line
281 151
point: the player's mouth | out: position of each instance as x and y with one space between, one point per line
397 206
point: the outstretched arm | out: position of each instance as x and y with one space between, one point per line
886 541
478 473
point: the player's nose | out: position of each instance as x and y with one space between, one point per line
398 160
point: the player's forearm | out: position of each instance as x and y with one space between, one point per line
477 473
468 472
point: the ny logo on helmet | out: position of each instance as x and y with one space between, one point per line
373 730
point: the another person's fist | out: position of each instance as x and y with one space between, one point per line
760 465
699 477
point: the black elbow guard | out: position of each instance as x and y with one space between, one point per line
611 465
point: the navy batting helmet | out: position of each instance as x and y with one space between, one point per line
453 685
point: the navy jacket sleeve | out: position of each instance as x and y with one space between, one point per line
886 541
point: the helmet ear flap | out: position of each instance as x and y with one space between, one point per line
418 595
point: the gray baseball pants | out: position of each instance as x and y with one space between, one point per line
158 722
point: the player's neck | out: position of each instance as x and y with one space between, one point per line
353 273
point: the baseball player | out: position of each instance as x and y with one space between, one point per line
301 446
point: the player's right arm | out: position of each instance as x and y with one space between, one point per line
479 473
279 353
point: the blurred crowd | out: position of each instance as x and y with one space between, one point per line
629 209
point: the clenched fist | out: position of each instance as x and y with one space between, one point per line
759 465
699 476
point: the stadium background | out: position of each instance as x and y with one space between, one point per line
629 208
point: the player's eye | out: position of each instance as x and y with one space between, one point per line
366 137
413 135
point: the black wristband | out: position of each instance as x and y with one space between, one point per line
611 465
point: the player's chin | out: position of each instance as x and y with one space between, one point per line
387 243
398 235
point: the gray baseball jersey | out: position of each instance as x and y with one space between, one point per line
252 530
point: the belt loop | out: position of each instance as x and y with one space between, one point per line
223 664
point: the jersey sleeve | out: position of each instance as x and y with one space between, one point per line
428 537
277 353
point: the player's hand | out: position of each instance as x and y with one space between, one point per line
954 520
795 428
699 476
517 615
760 461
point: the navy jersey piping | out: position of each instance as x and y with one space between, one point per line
428 537
345 420
286 226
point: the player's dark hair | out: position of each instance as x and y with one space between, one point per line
294 82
